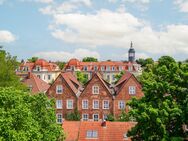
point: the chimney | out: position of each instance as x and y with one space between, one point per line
103 124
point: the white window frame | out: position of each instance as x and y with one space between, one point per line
132 90
92 134
59 104
120 102
108 68
94 116
113 68
68 100
102 68
85 118
95 68
95 89
59 117
85 68
84 105
105 104
120 68
59 89
94 106
105 116
49 76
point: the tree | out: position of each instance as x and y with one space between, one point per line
83 78
118 76
61 64
33 59
8 65
25 117
89 59
162 111
73 116
110 117
123 116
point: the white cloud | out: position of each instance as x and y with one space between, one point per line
137 1
65 56
39 1
182 5
6 36
117 29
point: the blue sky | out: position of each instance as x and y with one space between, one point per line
62 29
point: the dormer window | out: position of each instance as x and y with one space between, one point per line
120 68
92 134
95 89
95 68
107 68
113 68
25 69
130 68
102 68
38 68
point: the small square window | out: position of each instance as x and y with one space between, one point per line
91 134
85 117
95 117
121 104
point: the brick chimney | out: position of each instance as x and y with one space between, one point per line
103 124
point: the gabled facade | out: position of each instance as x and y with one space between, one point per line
65 91
95 102
126 88
46 71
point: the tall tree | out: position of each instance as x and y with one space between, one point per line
83 78
90 59
8 65
61 64
25 117
33 59
163 110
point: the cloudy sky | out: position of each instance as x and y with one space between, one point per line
62 29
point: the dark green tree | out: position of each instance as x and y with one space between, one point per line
61 64
123 116
33 59
25 117
118 76
83 78
145 62
90 59
73 116
110 117
163 110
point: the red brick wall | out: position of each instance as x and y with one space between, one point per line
103 95
124 94
67 94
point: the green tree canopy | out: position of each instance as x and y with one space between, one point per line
8 65
162 111
90 59
145 62
25 117
61 64
33 59
83 78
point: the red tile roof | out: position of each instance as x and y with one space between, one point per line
37 84
114 131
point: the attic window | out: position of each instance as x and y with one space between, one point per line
92 134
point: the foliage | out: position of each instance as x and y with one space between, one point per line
110 117
61 64
33 59
145 62
83 78
124 116
164 108
89 59
25 117
8 65
73 116
118 76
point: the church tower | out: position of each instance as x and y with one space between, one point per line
131 53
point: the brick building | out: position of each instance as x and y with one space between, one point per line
96 99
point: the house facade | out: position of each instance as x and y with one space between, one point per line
46 71
96 99
108 69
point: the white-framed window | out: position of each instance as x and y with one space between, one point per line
105 104
132 90
105 117
92 134
85 104
85 117
107 68
121 104
102 68
38 68
113 68
38 76
95 68
113 77
49 77
59 89
130 68
95 89
69 104
108 77
95 117
120 68
59 118
85 68
59 104
95 104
